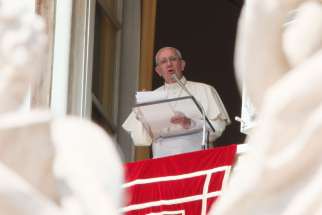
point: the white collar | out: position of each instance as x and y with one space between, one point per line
174 86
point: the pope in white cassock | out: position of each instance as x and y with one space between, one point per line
168 62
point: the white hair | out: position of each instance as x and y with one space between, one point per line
167 47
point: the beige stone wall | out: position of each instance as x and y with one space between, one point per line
41 95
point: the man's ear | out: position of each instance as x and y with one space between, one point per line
183 64
157 69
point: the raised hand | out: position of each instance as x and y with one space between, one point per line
181 119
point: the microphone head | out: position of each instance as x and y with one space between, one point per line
174 77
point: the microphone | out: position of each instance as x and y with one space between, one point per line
204 144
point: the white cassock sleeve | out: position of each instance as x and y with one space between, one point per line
140 136
215 111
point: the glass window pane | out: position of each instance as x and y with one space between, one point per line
104 63
111 4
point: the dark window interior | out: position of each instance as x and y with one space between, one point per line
204 31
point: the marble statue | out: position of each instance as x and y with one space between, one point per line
279 58
48 165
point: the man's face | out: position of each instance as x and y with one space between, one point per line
169 63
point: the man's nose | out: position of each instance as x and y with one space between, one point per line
169 62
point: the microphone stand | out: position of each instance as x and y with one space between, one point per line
204 144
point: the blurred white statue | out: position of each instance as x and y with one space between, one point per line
47 165
281 65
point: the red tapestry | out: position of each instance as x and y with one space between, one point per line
185 184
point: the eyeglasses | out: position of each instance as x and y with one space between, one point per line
170 59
